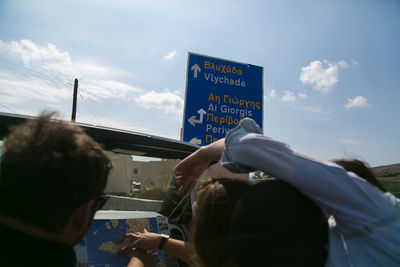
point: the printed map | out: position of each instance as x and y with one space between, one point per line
100 246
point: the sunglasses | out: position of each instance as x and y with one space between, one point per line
100 202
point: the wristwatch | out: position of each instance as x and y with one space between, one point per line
164 239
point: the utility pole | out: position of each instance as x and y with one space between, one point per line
74 100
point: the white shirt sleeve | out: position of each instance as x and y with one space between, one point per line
343 194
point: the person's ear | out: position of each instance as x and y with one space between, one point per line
83 215
78 223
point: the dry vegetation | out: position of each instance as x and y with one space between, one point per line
389 176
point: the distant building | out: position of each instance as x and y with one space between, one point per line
121 174
128 175
153 174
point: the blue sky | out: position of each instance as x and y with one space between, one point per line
331 68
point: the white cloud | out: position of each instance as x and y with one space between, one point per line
270 94
288 97
106 89
16 90
170 55
169 102
28 51
314 110
323 76
45 72
302 95
348 141
356 102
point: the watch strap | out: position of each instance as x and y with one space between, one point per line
163 240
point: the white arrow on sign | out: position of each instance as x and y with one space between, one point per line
195 68
192 120
195 141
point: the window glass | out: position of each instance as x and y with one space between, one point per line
139 176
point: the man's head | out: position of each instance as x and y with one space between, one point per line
273 224
48 170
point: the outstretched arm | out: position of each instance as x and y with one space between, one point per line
141 259
196 163
342 194
180 249
150 241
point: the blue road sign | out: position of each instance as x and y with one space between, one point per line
219 93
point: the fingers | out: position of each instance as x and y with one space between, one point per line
177 171
132 235
178 179
129 235
182 188
152 252
180 191
179 183
126 249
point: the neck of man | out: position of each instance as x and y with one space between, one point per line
31 229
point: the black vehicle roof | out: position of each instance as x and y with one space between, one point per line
117 140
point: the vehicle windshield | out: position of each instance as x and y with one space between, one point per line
139 176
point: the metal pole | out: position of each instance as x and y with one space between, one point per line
74 100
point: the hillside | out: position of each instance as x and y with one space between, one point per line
387 170
389 177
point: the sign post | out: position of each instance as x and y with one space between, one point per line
219 93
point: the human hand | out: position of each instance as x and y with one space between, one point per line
144 241
189 169
196 163
141 258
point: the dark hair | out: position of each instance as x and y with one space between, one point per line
360 168
215 202
274 224
48 169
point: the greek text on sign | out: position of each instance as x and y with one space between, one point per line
219 93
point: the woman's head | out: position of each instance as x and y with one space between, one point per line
360 168
215 201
